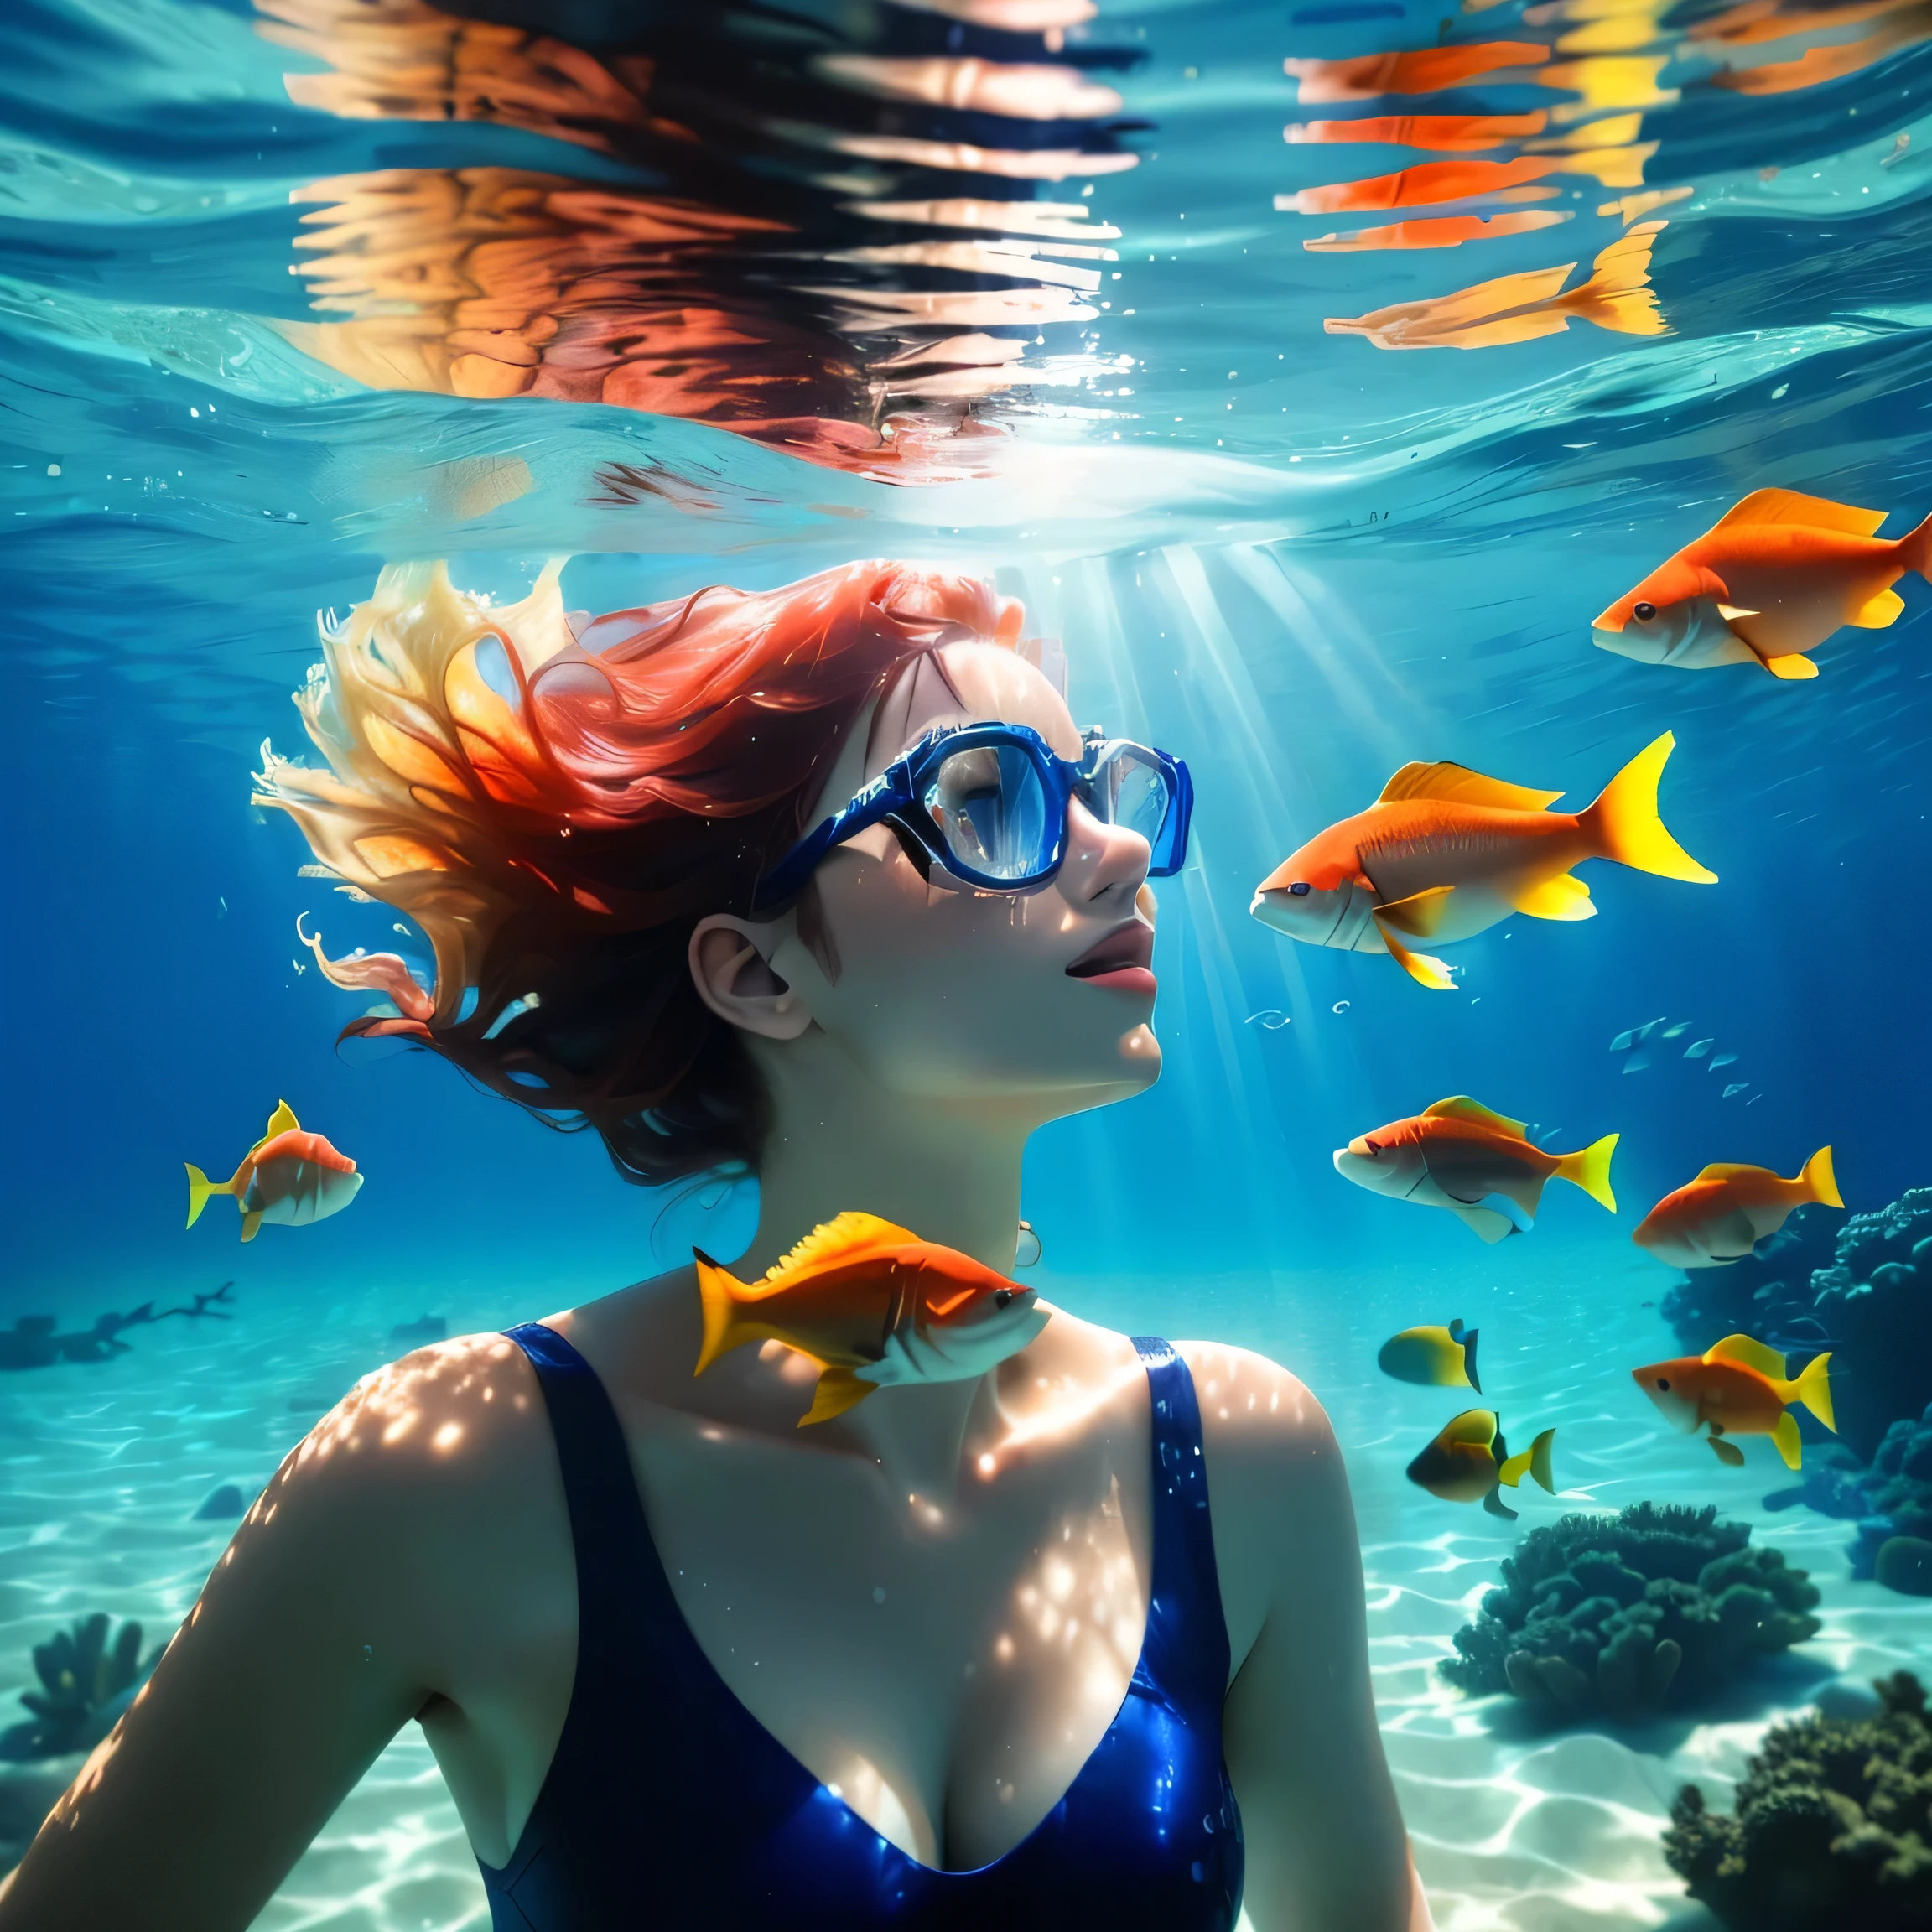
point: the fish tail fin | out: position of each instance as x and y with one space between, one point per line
838 1390
1589 1169
1814 1389
1915 549
719 1292
1819 1181
200 1188
1618 295
1624 825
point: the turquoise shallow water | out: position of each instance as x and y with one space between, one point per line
1067 334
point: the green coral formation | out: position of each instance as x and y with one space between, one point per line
1831 1829
86 1683
1616 1616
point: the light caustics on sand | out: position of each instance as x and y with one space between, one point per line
853 317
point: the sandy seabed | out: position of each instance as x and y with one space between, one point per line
1514 1830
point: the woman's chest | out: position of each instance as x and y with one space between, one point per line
945 1662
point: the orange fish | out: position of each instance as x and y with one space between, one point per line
1444 232
1521 307
1482 1166
1772 578
288 1178
1410 70
1444 853
1438 133
873 1306
1729 1208
1738 1387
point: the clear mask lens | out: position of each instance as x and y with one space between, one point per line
989 805
1131 791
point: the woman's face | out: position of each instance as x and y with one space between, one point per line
1038 1001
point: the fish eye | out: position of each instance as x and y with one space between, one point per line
1644 612
1001 1296
1299 889
1664 1383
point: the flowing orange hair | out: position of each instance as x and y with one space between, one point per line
557 807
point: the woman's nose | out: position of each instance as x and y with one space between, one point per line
1102 860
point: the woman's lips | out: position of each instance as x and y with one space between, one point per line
1120 960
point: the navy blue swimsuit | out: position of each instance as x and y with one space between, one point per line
669 1808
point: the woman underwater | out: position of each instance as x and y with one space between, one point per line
972 1652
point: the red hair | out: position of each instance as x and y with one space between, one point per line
558 812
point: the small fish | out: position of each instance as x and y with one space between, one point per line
1736 1087
1469 1461
1698 1048
1637 1061
1446 853
1622 1041
1723 1060
1436 1358
288 1178
1738 1387
1482 1166
1728 1209
1682 1027
873 1306
1521 308
1774 578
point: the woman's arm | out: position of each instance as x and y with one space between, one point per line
326 1626
1326 1847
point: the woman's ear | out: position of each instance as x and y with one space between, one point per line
732 977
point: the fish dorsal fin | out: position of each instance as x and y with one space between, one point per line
282 1120
841 1235
1790 506
1460 1107
1749 1354
1728 1171
1458 782
1478 1426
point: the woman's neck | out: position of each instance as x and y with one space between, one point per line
837 1141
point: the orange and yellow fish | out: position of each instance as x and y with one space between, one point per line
1738 1387
1772 578
1521 308
1439 231
1469 1462
1409 69
1482 1166
288 1178
1434 181
874 1306
1729 1208
1444 853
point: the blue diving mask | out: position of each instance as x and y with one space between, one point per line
988 803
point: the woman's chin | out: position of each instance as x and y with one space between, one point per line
1140 1055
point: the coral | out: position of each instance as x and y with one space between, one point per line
1617 1616
87 1684
1894 1542
1829 1828
1832 1485
1861 1288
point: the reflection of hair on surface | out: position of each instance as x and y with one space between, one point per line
1520 308
497 282
1408 70
1437 133
404 61
1905 24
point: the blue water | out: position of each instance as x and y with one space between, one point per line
1296 559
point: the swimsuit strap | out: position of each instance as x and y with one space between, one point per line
623 1596
1186 1653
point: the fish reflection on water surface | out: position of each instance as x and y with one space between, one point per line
834 243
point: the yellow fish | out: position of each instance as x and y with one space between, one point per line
1468 1460
872 1305
1436 1358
